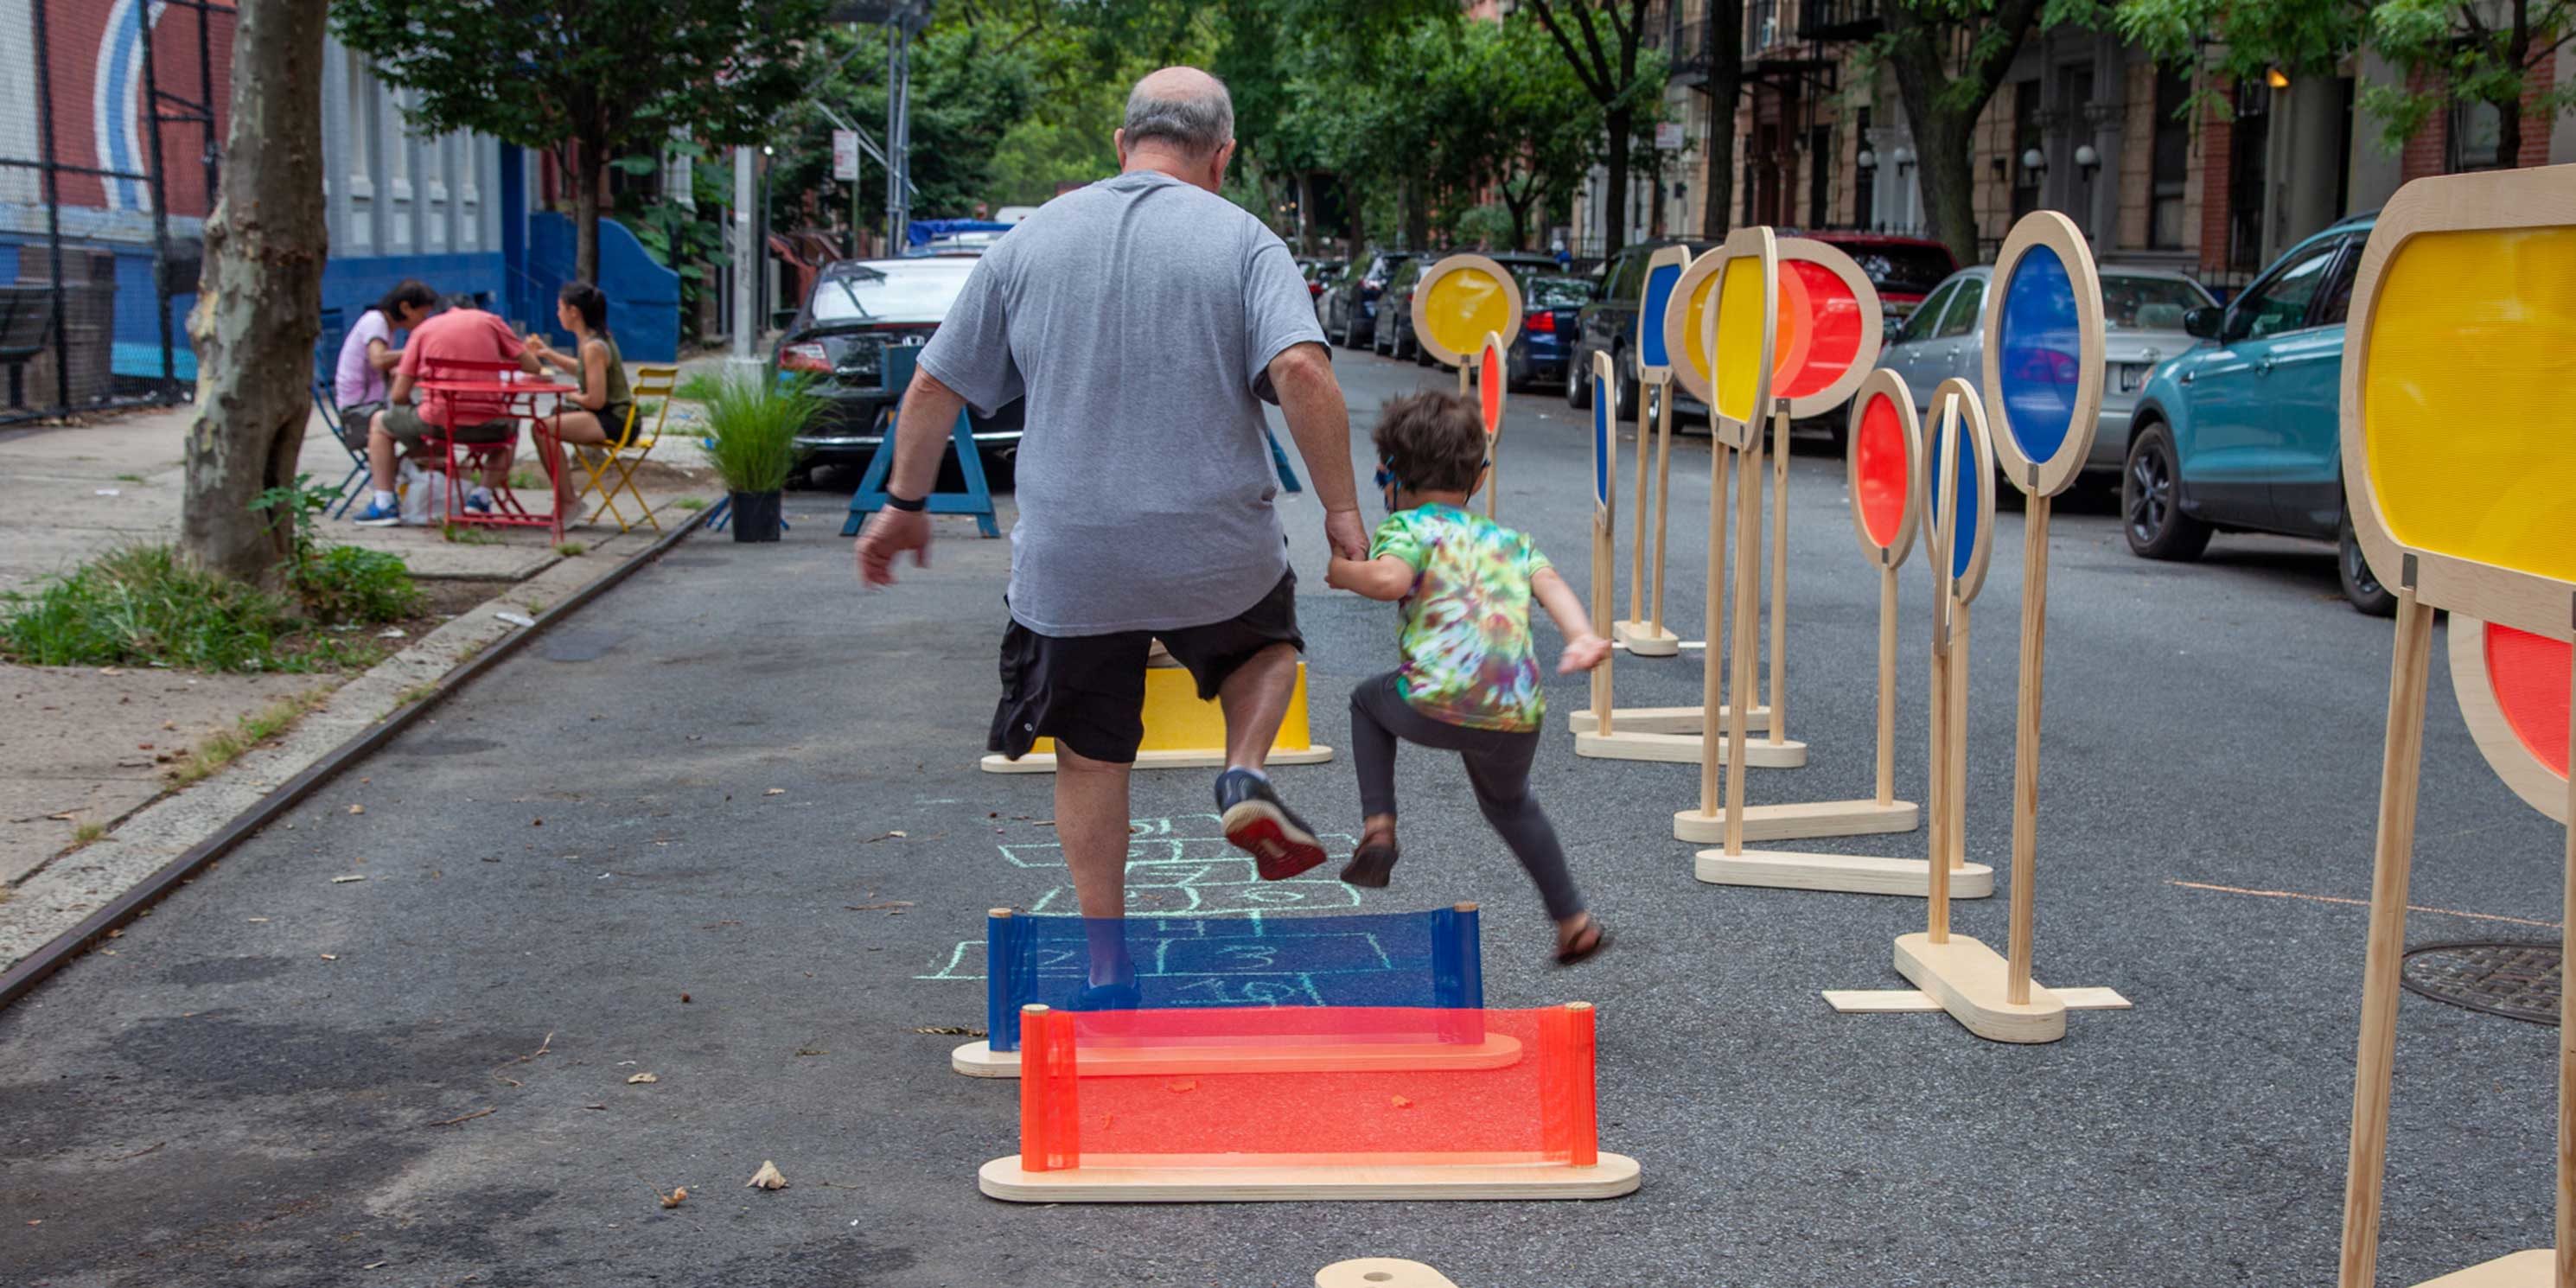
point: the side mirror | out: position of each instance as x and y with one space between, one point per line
2202 323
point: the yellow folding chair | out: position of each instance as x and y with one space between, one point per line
612 465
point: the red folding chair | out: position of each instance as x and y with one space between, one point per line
440 378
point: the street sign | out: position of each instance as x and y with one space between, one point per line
845 156
1663 272
1668 136
2043 353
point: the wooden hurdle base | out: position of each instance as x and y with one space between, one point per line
1182 731
1190 1179
2530 1268
1683 749
1849 873
1662 719
980 1060
1802 820
1969 980
1380 1272
1914 1001
1644 639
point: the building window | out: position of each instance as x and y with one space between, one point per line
2249 144
1820 177
2171 165
362 128
2475 134
2025 139
1864 177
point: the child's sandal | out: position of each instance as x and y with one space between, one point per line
1372 863
1589 938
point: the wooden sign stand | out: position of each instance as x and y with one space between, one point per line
1381 1272
1641 633
1605 505
2480 531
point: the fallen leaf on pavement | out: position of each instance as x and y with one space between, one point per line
675 1198
347 879
644 1077
877 907
775 791
330 957
767 1178
357 809
255 918
465 1118
372 1265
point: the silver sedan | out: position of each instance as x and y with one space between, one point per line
2142 309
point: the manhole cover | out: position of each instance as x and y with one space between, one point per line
2517 981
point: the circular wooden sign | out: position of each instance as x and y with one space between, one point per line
1663 274
1885 466
2043 353
1686 336
1743 326
1461 299
1837 326
1493 374
1963 511
2513 690
2458 456
1605 420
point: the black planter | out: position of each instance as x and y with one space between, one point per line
755 516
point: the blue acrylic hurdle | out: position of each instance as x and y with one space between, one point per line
1427 960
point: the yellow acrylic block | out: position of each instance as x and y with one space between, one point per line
1184 732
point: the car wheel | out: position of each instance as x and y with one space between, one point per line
1578 382
1350 330
2151 501
2360 584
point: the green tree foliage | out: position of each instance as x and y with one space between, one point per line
588 81
1603 41
970 87
1950 56
2453 52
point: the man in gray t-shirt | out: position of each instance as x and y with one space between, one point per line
1145 319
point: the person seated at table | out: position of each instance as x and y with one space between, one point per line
463 333
358 380
598 414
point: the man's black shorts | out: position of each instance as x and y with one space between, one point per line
1088 691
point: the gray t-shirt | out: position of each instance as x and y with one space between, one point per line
1139 317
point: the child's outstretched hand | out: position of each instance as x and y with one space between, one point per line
1582 653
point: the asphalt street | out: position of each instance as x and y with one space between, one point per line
725 827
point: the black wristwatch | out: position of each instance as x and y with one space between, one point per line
914 506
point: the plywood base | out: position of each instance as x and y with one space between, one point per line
1800 821
1969 979
1174 1180
1662 719
1849 873
1381 1272
1683 749
1914 1001
2531 1268
980 1060
1642 639
1043 762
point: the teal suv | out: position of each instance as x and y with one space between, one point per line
2240 432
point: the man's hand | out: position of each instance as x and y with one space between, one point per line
1345 534
889 533
1582 653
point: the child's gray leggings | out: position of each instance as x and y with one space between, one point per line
1498 765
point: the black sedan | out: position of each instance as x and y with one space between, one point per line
845 339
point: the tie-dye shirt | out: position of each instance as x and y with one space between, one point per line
1468 658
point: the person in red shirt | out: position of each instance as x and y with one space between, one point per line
462 333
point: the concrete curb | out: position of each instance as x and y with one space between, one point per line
72 903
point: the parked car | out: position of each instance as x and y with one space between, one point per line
857 310
1319 274
1904 269
1551 311
1348 308
1395 337
2243 431
1609 324
2143 311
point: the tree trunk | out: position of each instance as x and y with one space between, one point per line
1356 217
1724 46
586 185
1941 149
259 304
1417 215
1614 236
1305 211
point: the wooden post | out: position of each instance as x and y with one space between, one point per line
2025 821
1605 555
1463 390
1780 574
1748 614
1663 498
1886 681
1656 392
2398 778
1956 727
1493 474
1945 618
1721 476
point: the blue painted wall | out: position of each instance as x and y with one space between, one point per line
643 296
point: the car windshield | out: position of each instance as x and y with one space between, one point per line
1555 292
1907 270
2148 303
920 291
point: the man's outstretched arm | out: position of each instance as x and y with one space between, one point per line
1318 418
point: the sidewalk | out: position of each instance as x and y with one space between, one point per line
84 749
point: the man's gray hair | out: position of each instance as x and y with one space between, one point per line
1197 123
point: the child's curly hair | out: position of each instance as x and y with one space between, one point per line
1431 442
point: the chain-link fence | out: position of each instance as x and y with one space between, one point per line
110 155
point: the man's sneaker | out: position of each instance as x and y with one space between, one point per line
379 516
1258 824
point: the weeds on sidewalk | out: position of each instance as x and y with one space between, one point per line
224 746
459 534
691 503
337 584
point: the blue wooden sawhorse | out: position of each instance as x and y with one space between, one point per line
976 500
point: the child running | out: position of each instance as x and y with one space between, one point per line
1469 680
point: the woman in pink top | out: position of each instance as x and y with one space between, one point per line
358 381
